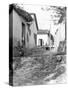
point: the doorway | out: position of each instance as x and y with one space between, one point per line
41 42
23 34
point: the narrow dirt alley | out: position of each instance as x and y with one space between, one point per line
39 69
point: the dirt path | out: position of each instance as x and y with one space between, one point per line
38 70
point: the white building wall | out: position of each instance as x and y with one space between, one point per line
60 35
17 28
17 31
33 29
42 36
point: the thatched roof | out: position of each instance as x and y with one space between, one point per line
21 12
43 32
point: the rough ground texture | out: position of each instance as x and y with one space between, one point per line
39 69
39 66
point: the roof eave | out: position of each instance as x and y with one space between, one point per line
21 12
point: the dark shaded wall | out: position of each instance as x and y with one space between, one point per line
10 48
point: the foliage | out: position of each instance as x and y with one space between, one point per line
58 12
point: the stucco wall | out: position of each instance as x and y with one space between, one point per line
60 34
33 29
17 31
44 37
17 28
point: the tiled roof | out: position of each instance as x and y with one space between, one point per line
21 12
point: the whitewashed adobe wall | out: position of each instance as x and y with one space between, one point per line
17 28
60 34
44 37
33 29
17 31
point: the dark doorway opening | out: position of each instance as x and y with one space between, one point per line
41 42
23 34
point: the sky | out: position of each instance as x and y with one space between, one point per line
43 16
46 19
